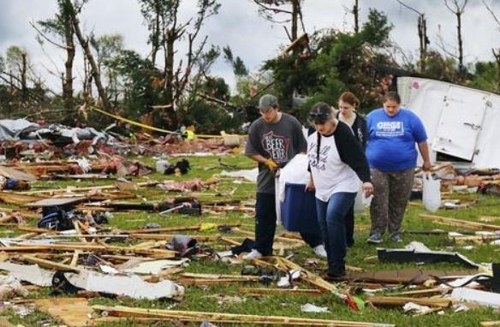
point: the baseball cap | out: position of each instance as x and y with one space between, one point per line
267 102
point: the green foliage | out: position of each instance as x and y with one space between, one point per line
441 68
141 83
375 31
237 63
486 77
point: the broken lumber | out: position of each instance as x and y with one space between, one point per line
218 317
49 264
399 301
459 222
280 291
155 253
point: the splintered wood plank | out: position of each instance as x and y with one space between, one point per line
16 174
218 317
4 322
459 222
51 202
74 312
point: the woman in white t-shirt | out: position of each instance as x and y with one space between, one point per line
338 165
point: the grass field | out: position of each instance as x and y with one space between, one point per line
229 298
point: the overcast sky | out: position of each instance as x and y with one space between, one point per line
250 36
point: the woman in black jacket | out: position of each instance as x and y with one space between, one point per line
347 113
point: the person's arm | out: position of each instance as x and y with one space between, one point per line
310 184
423 147
268 162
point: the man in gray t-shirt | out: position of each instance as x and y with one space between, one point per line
273 140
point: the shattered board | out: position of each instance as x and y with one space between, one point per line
74 312
52 202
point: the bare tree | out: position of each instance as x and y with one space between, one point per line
162 19
272 10
74 11
355 13
458 9
62 26
422 35
17 63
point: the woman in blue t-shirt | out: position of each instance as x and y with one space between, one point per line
392 134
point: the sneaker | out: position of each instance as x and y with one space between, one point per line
396 238
320 251
375 238
254 254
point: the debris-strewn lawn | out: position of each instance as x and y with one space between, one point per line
214 283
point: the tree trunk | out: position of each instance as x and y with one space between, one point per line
24 83
460 43
68 65
169 80
355 12
95 70
422 36
295 19
155 42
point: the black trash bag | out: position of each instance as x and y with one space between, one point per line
61 285
56 218
185 245
182 165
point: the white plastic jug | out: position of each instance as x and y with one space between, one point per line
431 192
361 202
161 166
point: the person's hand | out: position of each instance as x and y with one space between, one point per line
426 166
310 186
367 189
271 164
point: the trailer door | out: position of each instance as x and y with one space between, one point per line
460 123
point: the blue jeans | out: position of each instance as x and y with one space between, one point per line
332 221
265 225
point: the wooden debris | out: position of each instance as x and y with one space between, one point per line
280 291
226 318
50 264
461 223
399 301
214 279
422 293
74 312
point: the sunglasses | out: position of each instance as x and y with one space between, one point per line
320 117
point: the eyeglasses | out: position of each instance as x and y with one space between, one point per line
319 117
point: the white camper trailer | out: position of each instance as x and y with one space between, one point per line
462 123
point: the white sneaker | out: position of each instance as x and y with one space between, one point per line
320 251
254 254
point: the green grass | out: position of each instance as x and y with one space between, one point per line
211 298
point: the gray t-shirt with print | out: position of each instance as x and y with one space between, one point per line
280 141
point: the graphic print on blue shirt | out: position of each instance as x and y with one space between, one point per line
390 129
276 146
